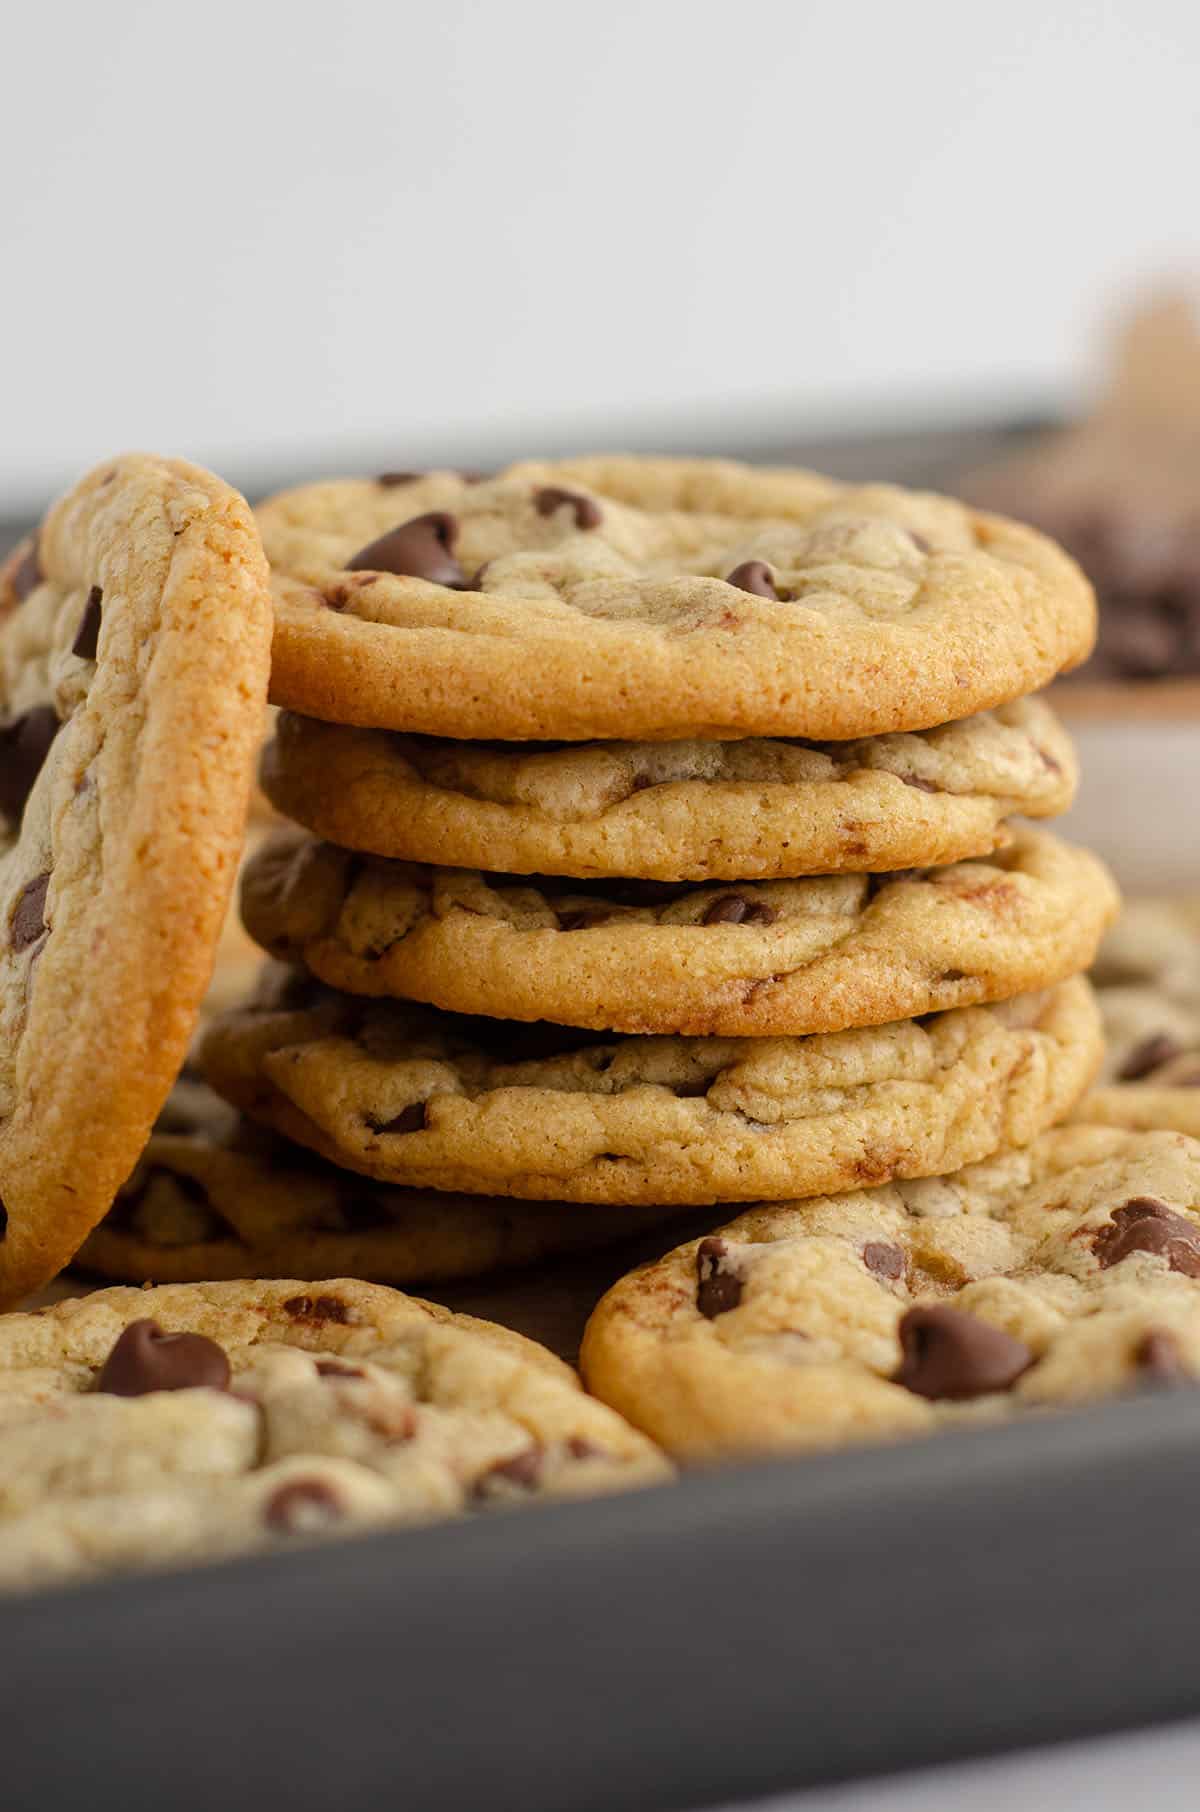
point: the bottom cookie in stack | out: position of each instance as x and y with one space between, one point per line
215 1197
149 1427
435 1100
1066 1271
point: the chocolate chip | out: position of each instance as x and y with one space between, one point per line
389 480
735 909
303 1506
27 574
1148 1056
333 1368
145 1359
1147 1225
1158 1359
754 576
24 746
948 1354
588 514
524 1469
717 1290
883 1259
580 1448
409 1119
29 914
919 542
87 637
922 786
317 1308
420 549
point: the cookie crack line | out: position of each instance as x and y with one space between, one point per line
890 610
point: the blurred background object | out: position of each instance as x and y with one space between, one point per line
281 237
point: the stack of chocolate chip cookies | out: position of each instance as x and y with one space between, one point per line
652 847
655 841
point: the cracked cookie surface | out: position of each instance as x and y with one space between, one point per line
774 957
1066 1271
658 599
134 645
152 1427
676 811
215 1197
411 1095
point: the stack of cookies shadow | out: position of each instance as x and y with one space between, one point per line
654 845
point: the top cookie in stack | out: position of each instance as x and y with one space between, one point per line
769 837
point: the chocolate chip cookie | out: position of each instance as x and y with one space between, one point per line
1148 986
410 1095
134 646
677 811
150 1427
1066 1271
216 1197
750 960
658 599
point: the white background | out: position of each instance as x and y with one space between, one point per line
298 233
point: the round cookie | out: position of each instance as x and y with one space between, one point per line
410 1095
213 1197
1148 986
676 811
1066 1271
759 959
147 1427
658 599
134 647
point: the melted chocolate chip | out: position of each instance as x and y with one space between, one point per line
29 914
717 1290
735 909
1159 1361
87 637
580 1448
27 575
410 1119
883 1259
333 1368
588 514
301 1506
754 576
1148 1056
524 1469
317 1308
390 480
146 1359
1147 1225
922 786
24 746
947 1354
420 549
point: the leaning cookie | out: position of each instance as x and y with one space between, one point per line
759 959
658 599
215 1198
150 1427
676 811
431 1100
1066 1271
134 646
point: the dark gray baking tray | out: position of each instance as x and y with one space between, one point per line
743 1631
